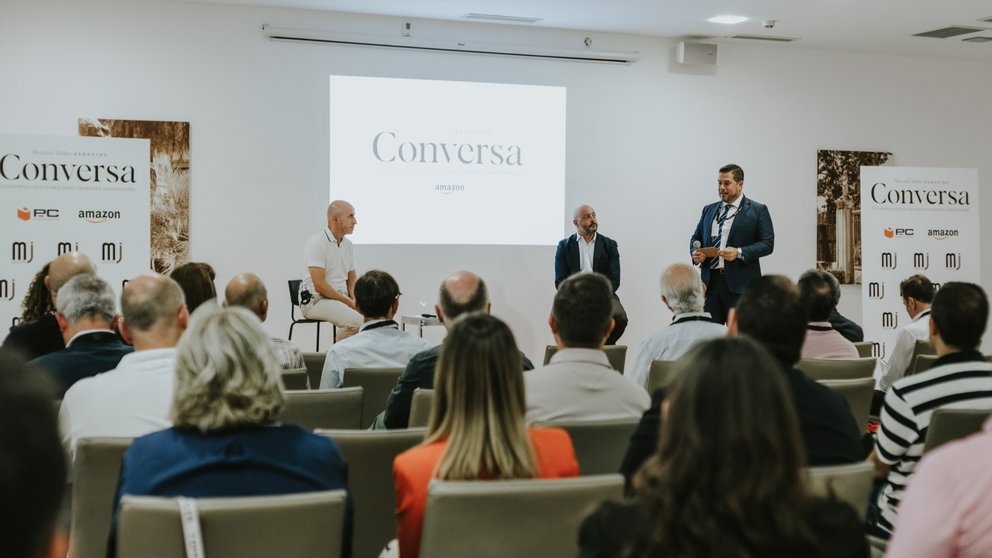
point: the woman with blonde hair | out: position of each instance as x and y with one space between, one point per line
477 428
225 440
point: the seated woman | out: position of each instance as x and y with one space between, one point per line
728 477
477 428
197 282
224 440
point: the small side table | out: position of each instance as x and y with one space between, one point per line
419 321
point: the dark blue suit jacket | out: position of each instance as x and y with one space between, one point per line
88 355
751 231
605 259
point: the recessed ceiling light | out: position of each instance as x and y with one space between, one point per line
977 40
728 19
502 18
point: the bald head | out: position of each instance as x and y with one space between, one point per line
461 293
682 289
66 267
154 311
248 291
582 209
341 218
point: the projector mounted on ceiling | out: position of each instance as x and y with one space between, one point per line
466 47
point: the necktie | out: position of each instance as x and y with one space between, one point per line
718 237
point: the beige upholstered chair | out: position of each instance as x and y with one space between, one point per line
295 379
288 526
858 393
95 474
324 408
830 369
511 518
370 455
848 483
420 407
922 348
922 363
314 363
599 444
864 348
660 374
377 383
617 354
947 425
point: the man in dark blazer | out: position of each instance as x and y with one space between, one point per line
586 250
741 231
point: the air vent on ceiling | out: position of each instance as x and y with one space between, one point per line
501 18
763 38
977 40
947 32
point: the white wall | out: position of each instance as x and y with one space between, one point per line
644 141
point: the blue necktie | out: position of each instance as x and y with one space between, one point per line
715 241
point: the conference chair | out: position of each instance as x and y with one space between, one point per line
922 363
848 483
947 425
864 348
617 355
314 363
534 517
661 374
377 382
324 408
370 455
599 444
921 348
94 482
289 526
858 393
420 407
294 299
830 369
295 379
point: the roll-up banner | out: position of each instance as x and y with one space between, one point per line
64 194
914 220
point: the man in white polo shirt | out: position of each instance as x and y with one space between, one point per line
328 286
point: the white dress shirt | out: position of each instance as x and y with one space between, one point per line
735 206
902 351
671 342
587 251
372 347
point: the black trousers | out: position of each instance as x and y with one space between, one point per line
719 298
619 319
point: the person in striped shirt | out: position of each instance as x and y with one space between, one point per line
960 378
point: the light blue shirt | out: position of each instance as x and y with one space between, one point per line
380 347
670 343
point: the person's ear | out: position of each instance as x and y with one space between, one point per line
123 330
265 309
732 323
182 319
609 330
553 324
439 314
63 322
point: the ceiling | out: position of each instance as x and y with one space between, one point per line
875 26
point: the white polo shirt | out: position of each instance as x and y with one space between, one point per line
336 259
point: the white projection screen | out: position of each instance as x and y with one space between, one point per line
448 162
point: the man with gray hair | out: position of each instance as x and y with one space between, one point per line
683 293
133 399
248 291
87 314
42 336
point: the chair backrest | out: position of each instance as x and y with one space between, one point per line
922 363
922 347
599 444
95 474
294 295
377 382
370 456
660 374
511 518
947 425
848 483
314 363
831 369
290 525
420 407
295 378
858 393
617 355
864 348
324 408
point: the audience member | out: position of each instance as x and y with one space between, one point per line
38 301
32 464
917 294
959 378
197 282
224 440
135 398
477 428
379 342
461 293
683 293
42 335
947 511
820 291
727 478
248 291
87 316
850 330
579 383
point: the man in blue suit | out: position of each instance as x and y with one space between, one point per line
588 251
741 230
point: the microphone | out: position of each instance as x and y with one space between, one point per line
696 245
